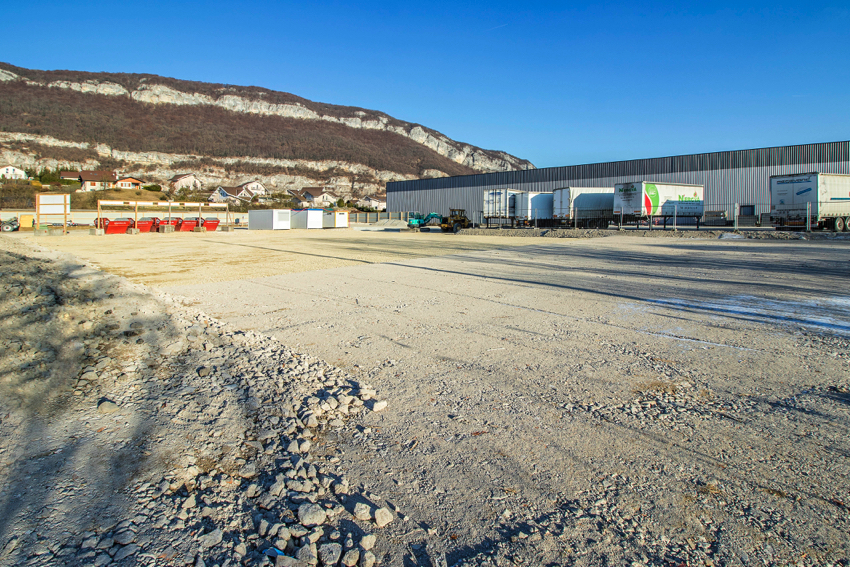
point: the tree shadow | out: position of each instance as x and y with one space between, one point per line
68 460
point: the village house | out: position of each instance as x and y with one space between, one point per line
254 187
377 202
97 180
185 181
129 183
315 197
12 172
239 193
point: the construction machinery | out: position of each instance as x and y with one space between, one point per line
418 221
10 225
456 220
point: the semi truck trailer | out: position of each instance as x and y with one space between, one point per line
824 197
644 200
500 203
533 208
583 207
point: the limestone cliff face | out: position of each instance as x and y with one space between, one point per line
348 180
465 154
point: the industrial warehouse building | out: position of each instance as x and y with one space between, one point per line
740 176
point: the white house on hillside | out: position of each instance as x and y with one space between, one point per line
254 187
222 194
315 197
97 180
186 181
377 202
12 172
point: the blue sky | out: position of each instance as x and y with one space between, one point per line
555 83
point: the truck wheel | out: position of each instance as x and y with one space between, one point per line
839 224
846 224
456 227
6 228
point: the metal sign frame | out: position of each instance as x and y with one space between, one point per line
52 205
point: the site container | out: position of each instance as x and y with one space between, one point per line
270 219
188 224
211 223
584 207
531 206
307 218
335 219
170 221
118 226
147 224
500 203
641 200
823 196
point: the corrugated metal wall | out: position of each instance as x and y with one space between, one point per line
729 177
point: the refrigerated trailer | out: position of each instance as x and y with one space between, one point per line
533 208
645 200
822 198
500 203
583 207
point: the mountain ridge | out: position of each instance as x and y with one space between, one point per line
271 123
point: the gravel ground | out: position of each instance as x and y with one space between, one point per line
609 401
186 258
599 401
134 430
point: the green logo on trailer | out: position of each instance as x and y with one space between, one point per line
651 199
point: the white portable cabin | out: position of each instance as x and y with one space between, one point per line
307 218
335 219
270 219
533 206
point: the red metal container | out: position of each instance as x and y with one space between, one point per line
101 223
211 224
147 224
118 226
173 221
189 224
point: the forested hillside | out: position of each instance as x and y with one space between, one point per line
156 125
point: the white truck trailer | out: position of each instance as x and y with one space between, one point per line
583 207
644 200
824 196
500 203
533 208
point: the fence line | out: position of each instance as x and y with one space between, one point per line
371 218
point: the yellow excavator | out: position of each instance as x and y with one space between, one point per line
456 220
